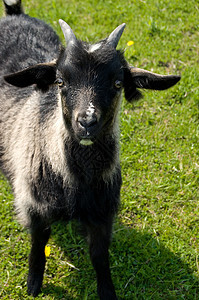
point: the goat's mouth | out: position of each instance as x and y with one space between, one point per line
88 136
86 142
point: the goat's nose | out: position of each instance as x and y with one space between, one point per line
87 122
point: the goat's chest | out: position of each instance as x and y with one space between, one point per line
89 201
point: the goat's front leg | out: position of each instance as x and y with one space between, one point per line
37 260
99 241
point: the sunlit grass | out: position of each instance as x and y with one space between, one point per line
154 253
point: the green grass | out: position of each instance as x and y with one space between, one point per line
155 247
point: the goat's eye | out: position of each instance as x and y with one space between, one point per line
118 84
59 82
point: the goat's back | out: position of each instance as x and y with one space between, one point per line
25 41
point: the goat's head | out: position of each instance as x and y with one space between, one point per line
90 80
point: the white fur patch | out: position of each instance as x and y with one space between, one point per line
90 111
94 47
86 142
11 2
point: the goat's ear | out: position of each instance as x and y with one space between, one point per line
41 74
138 78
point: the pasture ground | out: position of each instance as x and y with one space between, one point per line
155 247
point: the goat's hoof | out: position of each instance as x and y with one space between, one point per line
34 284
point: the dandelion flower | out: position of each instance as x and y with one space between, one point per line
47 251
130 43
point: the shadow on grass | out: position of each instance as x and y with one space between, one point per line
141 266
148 270
56 291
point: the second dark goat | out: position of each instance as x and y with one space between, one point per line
59 132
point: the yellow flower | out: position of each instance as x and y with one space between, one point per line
130 43
47 251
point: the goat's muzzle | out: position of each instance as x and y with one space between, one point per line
87 128
87 123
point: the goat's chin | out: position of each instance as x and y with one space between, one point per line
86 142
86 138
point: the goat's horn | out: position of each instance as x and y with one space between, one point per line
115 36
68 33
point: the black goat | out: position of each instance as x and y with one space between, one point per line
59 137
